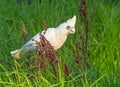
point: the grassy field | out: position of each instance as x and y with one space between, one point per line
103 43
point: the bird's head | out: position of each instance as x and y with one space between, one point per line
68 27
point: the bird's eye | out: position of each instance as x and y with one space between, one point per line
68 27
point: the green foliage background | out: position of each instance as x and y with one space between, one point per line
103 44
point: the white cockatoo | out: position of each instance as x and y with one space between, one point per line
56 37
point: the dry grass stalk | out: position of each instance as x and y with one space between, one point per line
66 69
6 62
24 32
46 50
25 37
79 59
45 25
83 12
82 8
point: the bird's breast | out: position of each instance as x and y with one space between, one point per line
56 42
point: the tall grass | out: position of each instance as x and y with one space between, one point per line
103 44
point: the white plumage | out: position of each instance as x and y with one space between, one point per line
56 37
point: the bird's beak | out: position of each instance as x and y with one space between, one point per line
72 31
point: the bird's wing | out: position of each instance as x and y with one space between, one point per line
49 35
33 41
28 48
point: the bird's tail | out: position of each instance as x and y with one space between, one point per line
16 53
19 53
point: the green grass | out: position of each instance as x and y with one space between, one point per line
103 47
